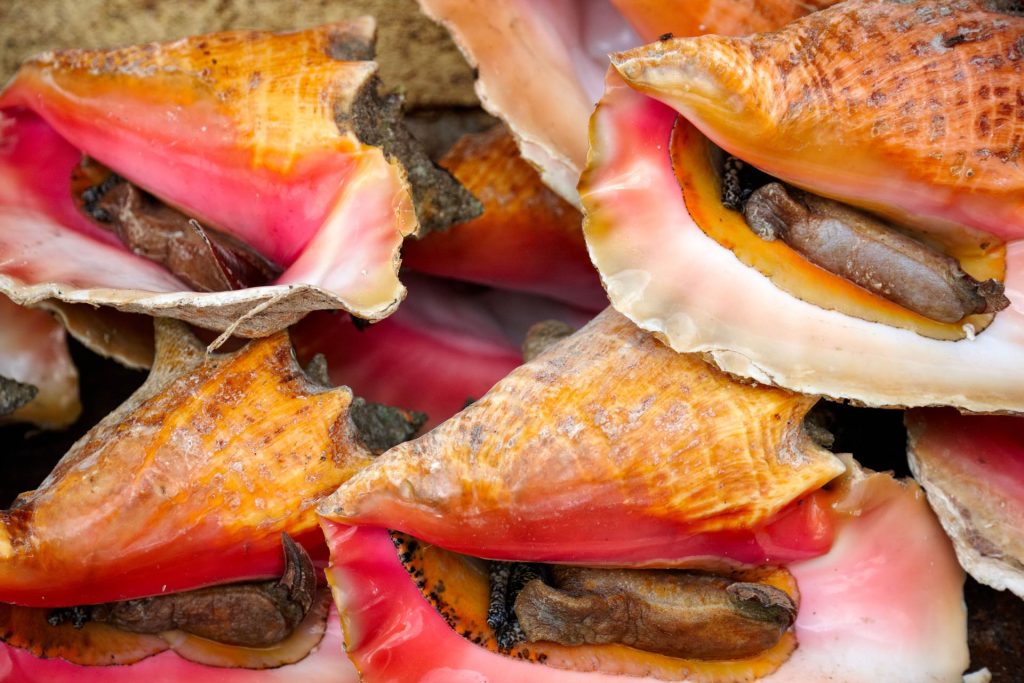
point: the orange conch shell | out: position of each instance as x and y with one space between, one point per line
190 482
608 448
911 109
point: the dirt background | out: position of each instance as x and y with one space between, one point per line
412 50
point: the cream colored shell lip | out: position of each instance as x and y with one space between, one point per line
665 274
973 514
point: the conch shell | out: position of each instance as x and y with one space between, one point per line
663 272
921 128
189 483
608 448
973 470
868 613
528 238
270 138
38 380
510 42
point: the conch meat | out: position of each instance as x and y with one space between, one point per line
506 621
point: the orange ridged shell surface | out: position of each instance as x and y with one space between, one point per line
189 483
609 448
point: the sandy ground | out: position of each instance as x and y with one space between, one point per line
412 50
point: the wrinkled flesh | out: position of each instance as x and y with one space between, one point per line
920 128
457 588
611 430
871 254
30 634
973 470
247 614
678 614
205 259
694 163
867 611
186 477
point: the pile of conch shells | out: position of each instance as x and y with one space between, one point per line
559 403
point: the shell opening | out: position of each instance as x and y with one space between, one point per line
835 256
727 626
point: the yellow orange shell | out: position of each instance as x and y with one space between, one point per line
190 482
911 109
653 18
607 448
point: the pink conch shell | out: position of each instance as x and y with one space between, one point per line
663 272
447 344
327 663
973 470
34 351
512 42
250 132
884 604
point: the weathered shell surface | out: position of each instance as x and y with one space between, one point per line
973 470
607 448
190 482
239 130
663 272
